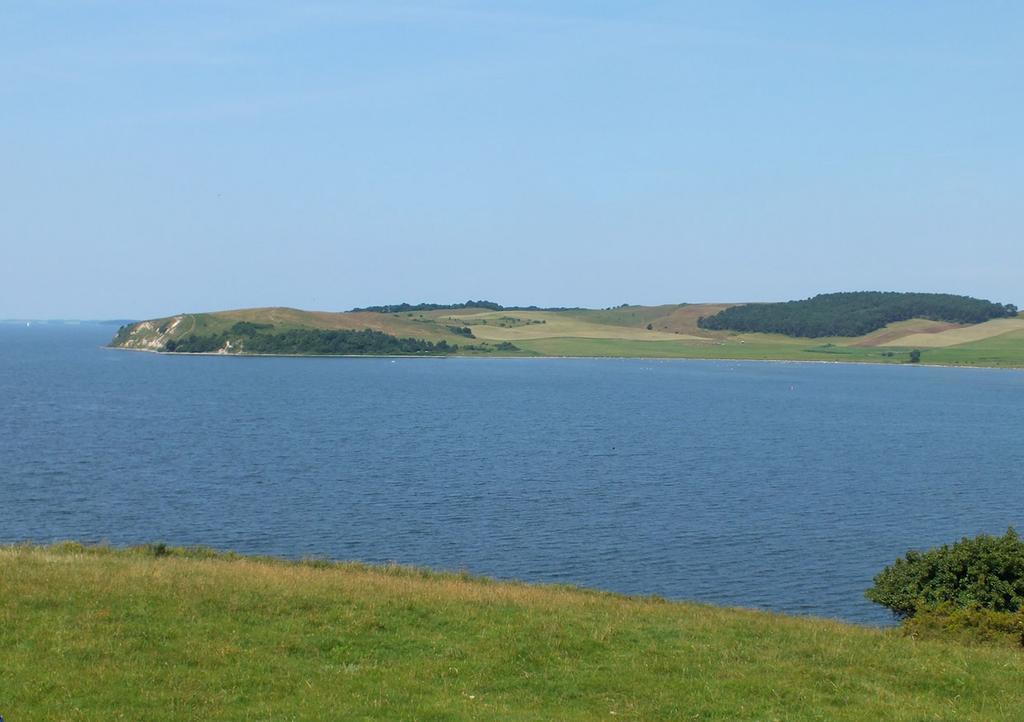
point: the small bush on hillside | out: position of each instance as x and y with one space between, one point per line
157 549
248 327
986 572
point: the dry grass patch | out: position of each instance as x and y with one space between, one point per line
683 320
959 334
902 329
556 325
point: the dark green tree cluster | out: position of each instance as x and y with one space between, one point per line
852 314
986 572
257 339
487 348
489 305
245 328
462 331
404 307
543 308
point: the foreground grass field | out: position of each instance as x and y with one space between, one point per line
98 634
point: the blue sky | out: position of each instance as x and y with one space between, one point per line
181 156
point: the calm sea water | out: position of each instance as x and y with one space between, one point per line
772 485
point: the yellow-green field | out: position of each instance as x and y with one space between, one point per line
668 331
163 634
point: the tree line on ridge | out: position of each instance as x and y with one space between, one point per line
853 313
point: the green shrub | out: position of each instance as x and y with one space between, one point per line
986 572
973 625
157 549
247 327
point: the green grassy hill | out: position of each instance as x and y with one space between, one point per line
667 331
163 634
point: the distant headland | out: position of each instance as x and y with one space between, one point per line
870 326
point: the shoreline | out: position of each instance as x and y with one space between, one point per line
536 358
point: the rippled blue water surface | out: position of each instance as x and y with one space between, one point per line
775 485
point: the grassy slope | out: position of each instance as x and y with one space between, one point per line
623 332
288 318
99 634
417 325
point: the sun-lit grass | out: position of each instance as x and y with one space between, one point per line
746 347
97 634
1006 350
